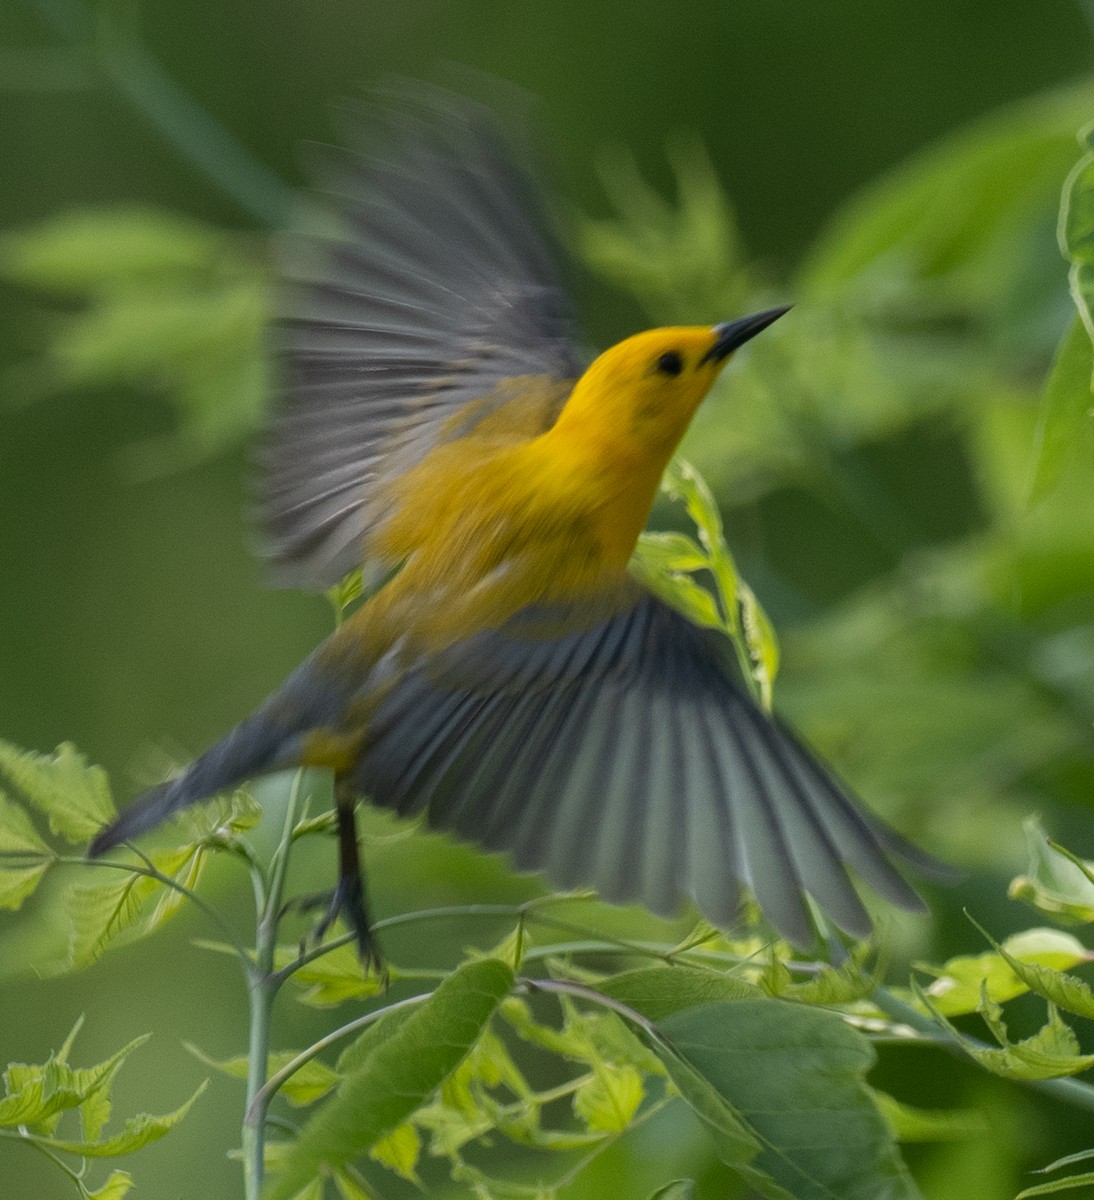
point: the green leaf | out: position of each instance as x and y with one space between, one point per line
682 481
1054 884
17 833
911 1124
961 983
73 795
676 259
116 1187
608 1101
306 1085
399 1074
36 1093
1077 237
399 1151
117 911
349 1188
1065 410
358 1052
331 979
657 992
760 641
17 883
1068 1160
787 1083
1052 1052
80 251
570 1042
345 592
1039 958
830 986
1060 1185
137 1133
958 200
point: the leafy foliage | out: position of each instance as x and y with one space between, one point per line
38 1097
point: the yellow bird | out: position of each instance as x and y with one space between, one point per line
510 679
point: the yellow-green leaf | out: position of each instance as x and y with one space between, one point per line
73 795
609 1100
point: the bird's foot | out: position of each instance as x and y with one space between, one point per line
346 900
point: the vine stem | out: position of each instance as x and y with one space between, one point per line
263 984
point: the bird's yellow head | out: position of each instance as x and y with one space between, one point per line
645 390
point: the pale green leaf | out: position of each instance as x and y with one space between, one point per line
609 1100
911 1124
333 978
73 795
116 1187
569 1042
1042 968
345 592
1052 1052
829 986
17 832
616 1043
671 551
399 1073
117 910
1060 1185
959 983
761 642
92 248
349 1188
399 1151
955 202
17 883
678 590
137 1133
306 1085
1068 1160
1065 410
36 1093
1054 884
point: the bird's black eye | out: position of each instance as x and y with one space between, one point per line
670 363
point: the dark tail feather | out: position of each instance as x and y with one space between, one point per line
253 747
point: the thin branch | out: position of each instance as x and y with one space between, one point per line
266 1093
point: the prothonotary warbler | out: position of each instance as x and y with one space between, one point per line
510 679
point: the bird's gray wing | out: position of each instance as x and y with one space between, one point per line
430 302
624 756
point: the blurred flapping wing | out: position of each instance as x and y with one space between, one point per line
431 303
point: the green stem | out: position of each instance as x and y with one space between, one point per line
261 1100
263 983
581 991
22 1134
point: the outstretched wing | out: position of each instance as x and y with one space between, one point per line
624 756
432 303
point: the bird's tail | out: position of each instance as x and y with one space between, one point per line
255 746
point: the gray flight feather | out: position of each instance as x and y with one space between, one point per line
433 287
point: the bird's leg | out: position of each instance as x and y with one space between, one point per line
349 898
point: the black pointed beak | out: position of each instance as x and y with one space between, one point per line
732 334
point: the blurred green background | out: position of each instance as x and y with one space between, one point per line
871 462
